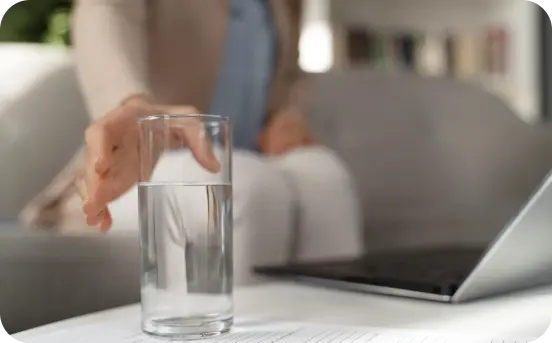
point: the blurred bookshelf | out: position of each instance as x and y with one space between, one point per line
494 44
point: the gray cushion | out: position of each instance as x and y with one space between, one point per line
42 121
47 278
435 160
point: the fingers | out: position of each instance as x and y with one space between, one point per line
122 175
105 136
81 188
92 180
104 220
107 221
192 132
108 143
276 143
99 146
281 147
200 146
107 140
104 217
97 192
111 162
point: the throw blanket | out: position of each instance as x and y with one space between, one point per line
58 207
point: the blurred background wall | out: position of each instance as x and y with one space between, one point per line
343 34
495 44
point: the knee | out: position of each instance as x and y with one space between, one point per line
330 206
322 179
257 186
262 216
317 167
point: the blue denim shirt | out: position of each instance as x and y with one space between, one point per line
241 88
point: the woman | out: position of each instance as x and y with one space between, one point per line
236 58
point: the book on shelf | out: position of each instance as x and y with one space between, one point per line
467 54
389 52
431 56
496 50
370 47
406 49
452 54
358 46
376 53
451 58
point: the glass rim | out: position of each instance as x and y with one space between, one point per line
153 117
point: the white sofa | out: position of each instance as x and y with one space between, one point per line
42 118
42 121
46 277
435 161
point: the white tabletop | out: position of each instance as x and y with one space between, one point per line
522 315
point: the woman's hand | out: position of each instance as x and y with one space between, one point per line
287 130
111 159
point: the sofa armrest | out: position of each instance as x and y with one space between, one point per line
42 121
47 278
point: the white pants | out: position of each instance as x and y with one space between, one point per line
267 194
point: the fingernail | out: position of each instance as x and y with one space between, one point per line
101 219
100 216
104 227
98 165
90 221
85 205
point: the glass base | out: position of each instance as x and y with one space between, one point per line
187 328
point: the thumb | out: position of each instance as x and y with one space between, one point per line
192 131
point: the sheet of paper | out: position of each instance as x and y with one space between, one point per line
269 332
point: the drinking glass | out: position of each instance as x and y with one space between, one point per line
185 208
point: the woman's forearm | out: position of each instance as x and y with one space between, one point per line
110 52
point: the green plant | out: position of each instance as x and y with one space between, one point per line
58 28
37 21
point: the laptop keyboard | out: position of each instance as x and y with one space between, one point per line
439 271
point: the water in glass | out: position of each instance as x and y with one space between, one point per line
186 258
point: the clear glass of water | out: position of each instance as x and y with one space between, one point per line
185 200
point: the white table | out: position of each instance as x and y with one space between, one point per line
523 315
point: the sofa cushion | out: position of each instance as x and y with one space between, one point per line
42 120
435 160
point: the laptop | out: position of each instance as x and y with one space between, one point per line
520 257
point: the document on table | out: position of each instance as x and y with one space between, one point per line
272 332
